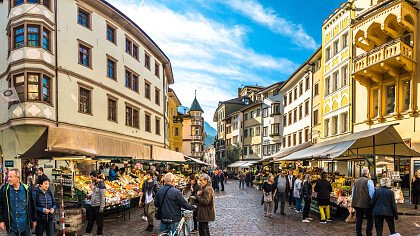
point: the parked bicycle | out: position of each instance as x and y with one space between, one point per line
184 227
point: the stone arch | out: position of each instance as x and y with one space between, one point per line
391 26
376 35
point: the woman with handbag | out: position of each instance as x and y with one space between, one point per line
269 191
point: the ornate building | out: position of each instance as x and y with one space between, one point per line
193 134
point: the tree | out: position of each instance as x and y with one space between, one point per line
232 154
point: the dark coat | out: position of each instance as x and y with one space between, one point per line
383 203
4 205
206 211
174 201
306 189
44 201
323 188
293 182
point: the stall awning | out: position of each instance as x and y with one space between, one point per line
286 151
196 161
243 164
162 154
57 142
385 140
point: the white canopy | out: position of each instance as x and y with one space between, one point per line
379 141
242 164
196 161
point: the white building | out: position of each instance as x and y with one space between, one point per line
297 102
210 156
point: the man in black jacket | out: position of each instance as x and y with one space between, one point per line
17 208
291 182
170 201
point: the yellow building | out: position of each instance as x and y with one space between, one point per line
317 76
252 128
174 122
335 87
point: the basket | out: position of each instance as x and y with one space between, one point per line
188 214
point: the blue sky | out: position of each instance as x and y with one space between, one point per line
217 45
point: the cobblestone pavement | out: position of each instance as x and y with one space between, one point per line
239 213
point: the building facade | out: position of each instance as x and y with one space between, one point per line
88 69
317 76
210 156
175 122
297 99
193 134
252 128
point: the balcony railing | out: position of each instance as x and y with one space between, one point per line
382 53
196 137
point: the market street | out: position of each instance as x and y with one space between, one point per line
239 213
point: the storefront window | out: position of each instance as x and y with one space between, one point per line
390 99
406 95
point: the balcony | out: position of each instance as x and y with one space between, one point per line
196 123
388 58
196 138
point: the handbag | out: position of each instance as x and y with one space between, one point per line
268 197
158 214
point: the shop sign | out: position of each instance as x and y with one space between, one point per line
8 163
48 166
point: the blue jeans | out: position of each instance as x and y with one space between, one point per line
241 183
298 204
170 228
24 233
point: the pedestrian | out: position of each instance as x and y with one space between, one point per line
291 180
248 177
17 207
169 202
241 178
97 201
215 180
222 180
362 194
415 189
149 189
384 207
307 198
41 175
205 211
195 187
112 173
45 207
323 189
269 191
297 192
282 192
226 175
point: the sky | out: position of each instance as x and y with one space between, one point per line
216 46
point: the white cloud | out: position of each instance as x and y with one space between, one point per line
206 55
267 17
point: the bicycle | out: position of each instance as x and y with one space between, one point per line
183 228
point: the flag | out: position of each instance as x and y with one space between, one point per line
8 95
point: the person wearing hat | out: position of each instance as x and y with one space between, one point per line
45 206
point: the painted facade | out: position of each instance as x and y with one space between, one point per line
317 76
193 134
175 122
252 132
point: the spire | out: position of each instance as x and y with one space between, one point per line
195 106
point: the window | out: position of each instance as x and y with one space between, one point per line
300 137
294 139
157 126
390 99
306 107
406 95
135 52
336 47
176 131
316 89
265 131
300 88
19 83
128 46
345 40
290 97
265 112
275 108
83 18
38 87
344 74
285 120
84 55
295 116
307 85
316 120
33 36
112 109
19 2
300 111
327 53
275 92
327 86
290 118
110 34
317 65
46 39
245 133
257 131
131 81
284 142
245 116
147 60
251 131
33 87
157 96
251 114
85 100
147 123
258 112
326 127
285 100
334 125
306 134
344 122
157 69
19 37
46 89
289 140
131 117
275 129
375 94
147 90
336 81
295 94
111 69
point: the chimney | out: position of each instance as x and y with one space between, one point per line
185 111
239 92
